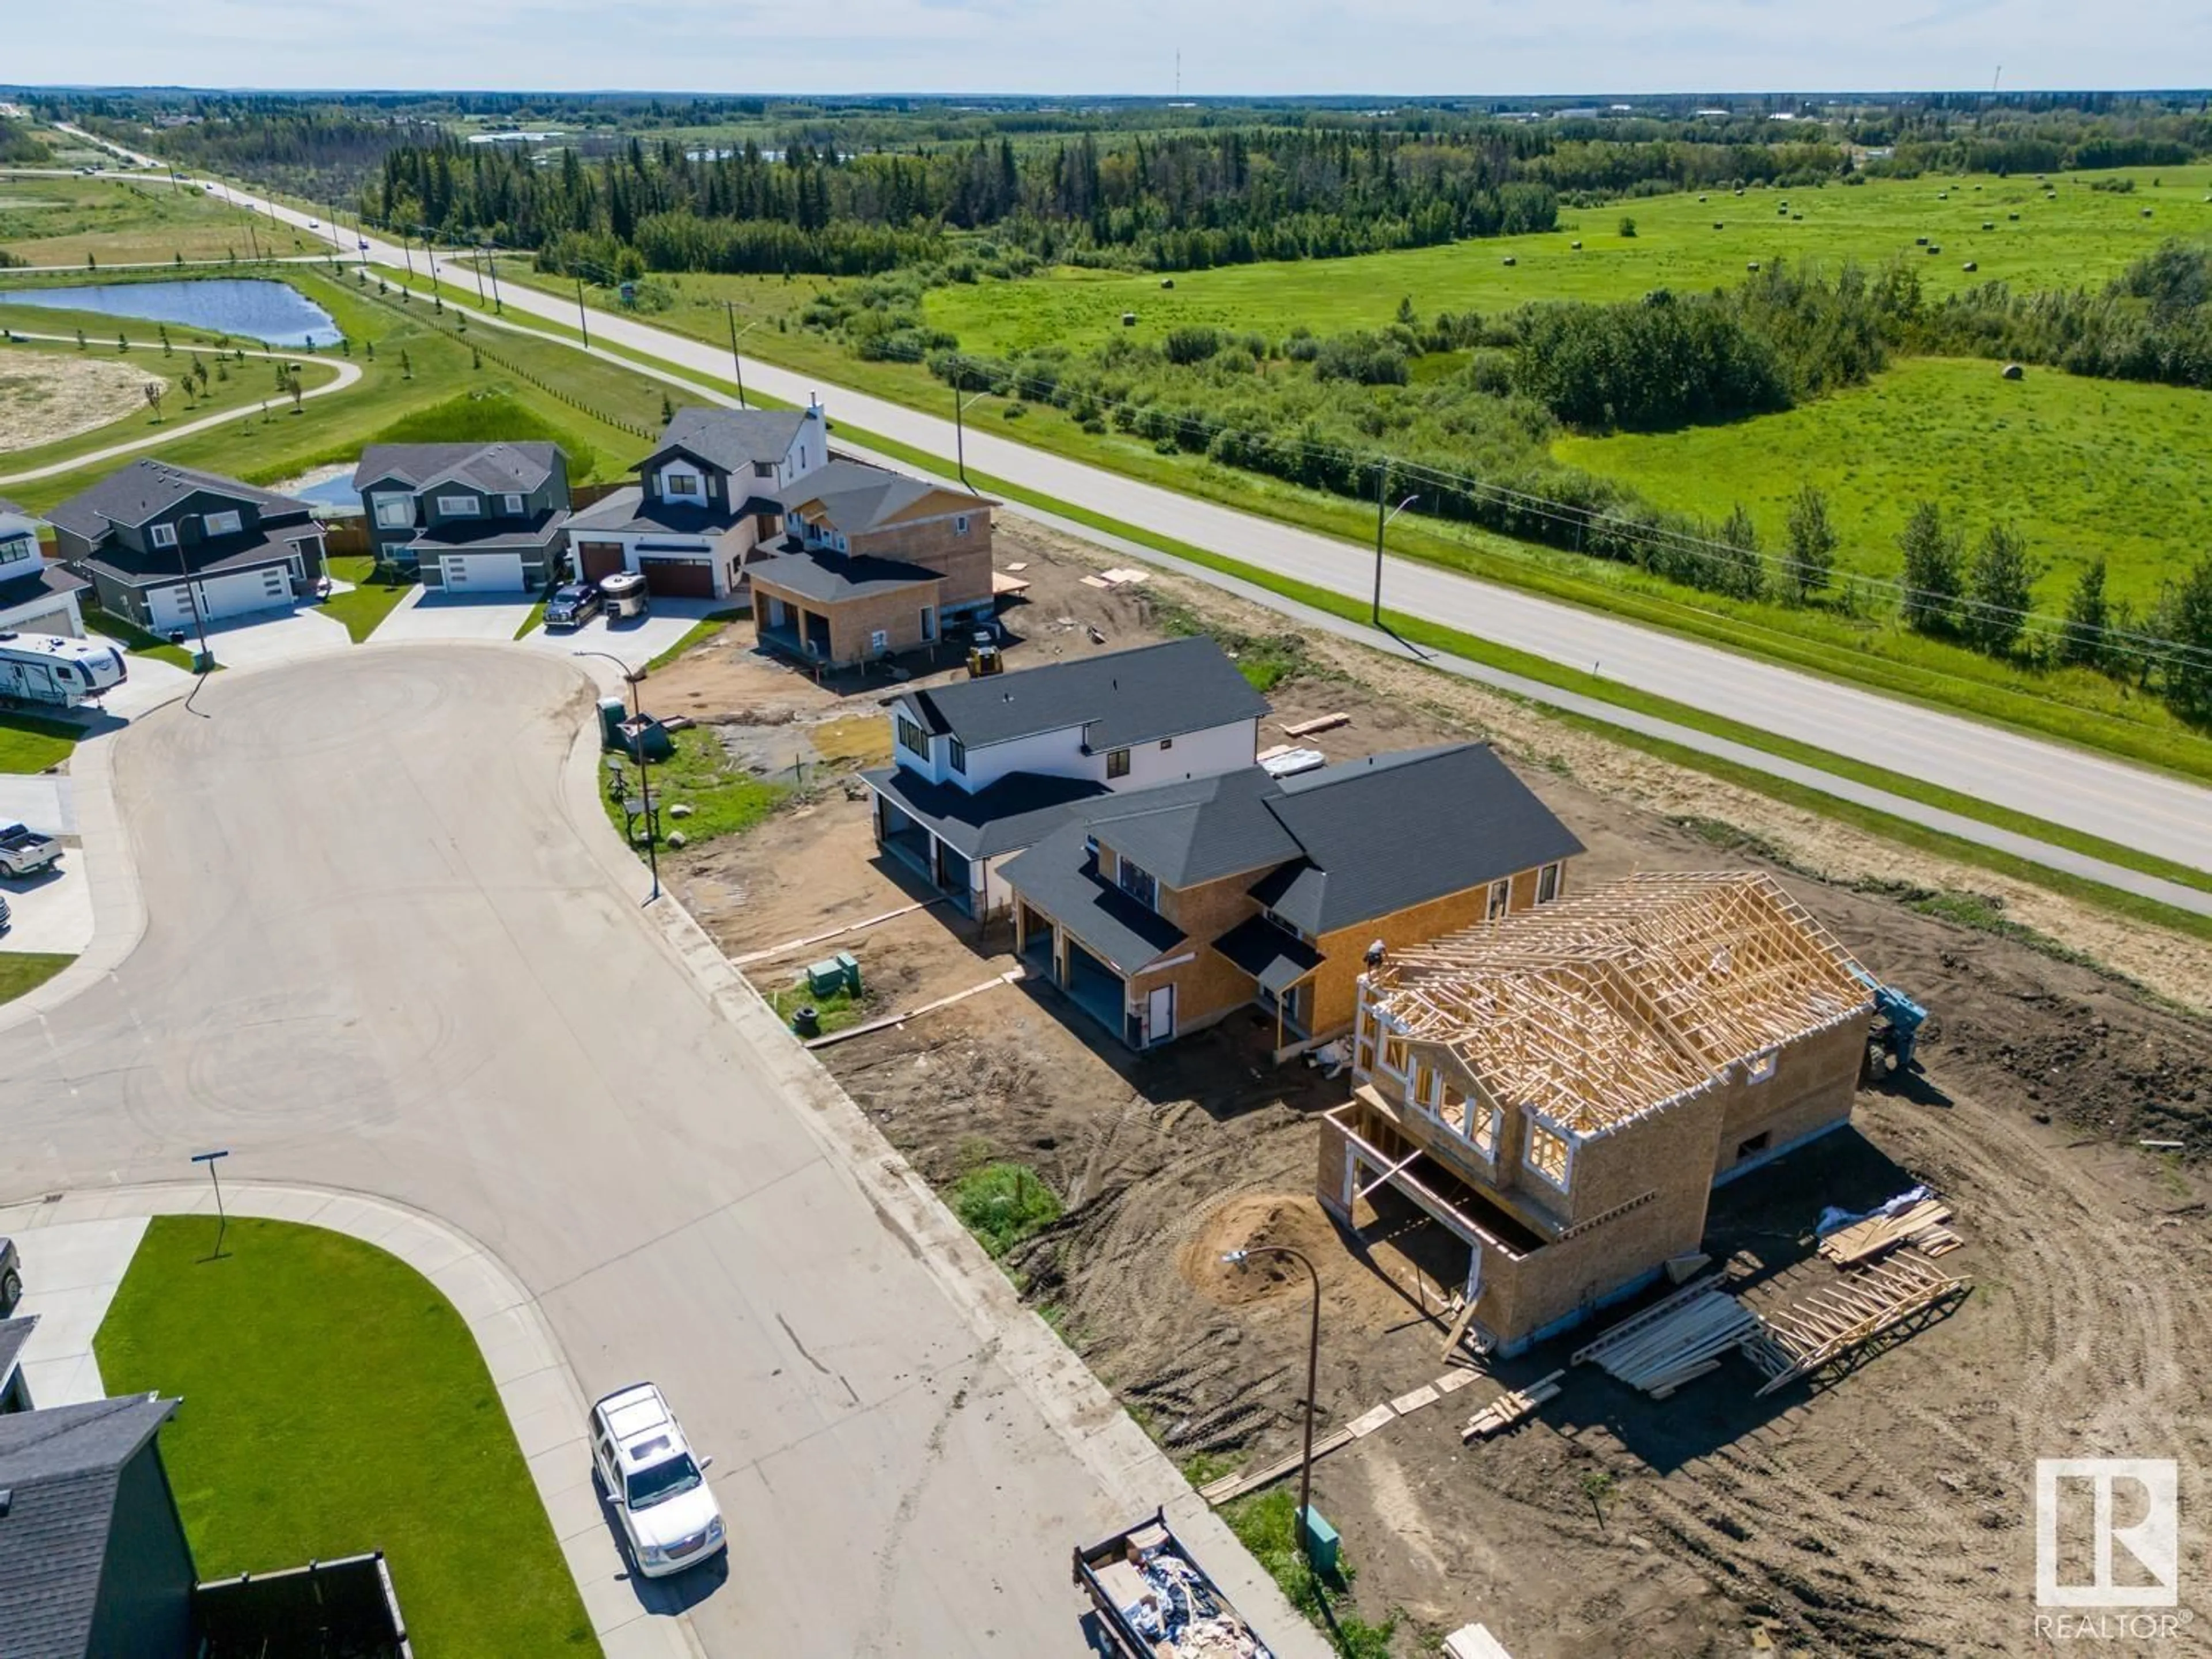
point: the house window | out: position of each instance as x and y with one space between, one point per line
1548 884
878 639
164 535
458 506
802 458
681 483
763 469
223 524
1424 1085
395 511
960 525
1761 1068
913 739
1117 762
1484 1134
956 756
1137 882
1501 895
512 506
16 547
1752 1147
1549 1154
1167 743
1394 1055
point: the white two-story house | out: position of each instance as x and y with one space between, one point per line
35 596
985 768
704 499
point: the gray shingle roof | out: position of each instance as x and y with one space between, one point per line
1275 961
856 497
240 552
497 467
60 1468
733 438
145 489
1061 877
1017 810
1197 831
1124 696
831 577
14 1333
39 578
492 535
626 511
1396 830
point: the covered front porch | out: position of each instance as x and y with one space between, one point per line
782 624
927 854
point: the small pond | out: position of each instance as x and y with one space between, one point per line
249 308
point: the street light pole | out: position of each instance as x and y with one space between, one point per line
1313 1370
960 430
222 1220
583 322
729 308
491 260
644 765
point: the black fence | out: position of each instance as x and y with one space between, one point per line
324 1610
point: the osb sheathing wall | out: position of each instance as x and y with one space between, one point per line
1813 1082
1209 985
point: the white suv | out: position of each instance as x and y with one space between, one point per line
644 1464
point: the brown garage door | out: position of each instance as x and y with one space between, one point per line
677 578
599 558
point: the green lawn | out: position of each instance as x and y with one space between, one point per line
370 600
135 639
57 221
725 799
28 744
24 971
2080 466
705 629
2085 236
334 1402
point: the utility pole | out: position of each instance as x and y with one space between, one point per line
737 362
482 298
584 324
644 766
1304 1518
491 260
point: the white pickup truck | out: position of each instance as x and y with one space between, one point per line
26 852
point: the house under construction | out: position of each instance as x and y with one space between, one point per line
1560 1089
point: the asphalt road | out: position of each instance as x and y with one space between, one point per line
383 953
2131 806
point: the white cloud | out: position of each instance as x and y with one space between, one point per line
1391 47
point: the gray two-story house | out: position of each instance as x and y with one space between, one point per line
469 517
168 547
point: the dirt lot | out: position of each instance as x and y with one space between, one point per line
46 396
1889 1512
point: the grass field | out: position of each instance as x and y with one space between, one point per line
336 1403
57 221
430 395
23 971
2084 237
2080 466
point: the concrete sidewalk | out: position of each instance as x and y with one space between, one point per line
85 1242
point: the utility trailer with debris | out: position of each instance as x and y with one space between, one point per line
1157 1602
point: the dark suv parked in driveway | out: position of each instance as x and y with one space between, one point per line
11 1278
573 606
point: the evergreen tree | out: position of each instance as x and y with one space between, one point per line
2000 584
1739 571
1813 542
2183 619
1934 570
2083 644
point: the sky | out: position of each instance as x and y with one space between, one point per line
1055 47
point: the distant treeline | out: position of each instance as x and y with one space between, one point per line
323 154
18 146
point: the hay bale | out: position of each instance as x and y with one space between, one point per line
1970 265
1576 247
1989 224
1751 265
1920 241
1167 282
1934 247
1128 319
2146 213
2014 372
1510 260
2015 217
1719 224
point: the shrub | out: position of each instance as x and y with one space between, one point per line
1002 1204
1192 345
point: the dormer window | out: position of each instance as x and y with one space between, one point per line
681 483
163 535
913 739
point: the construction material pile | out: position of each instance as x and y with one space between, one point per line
1839 1321
1502 1412
1920 1225
1673 1341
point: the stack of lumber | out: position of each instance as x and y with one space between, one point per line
1673 1341
1502 1412
1846 1315
1865 1240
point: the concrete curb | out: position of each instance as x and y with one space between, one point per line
544 1405
1133 1472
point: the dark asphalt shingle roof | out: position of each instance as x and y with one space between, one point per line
492 535
1016 810
1396 830
248 548
627 512
1124 696
830 578
855 497
733 438
1061 877
14 1333
36 580
60 1468
499 468
1273 959
1198 830
143 490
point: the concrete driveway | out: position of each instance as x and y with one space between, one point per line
44 801
70 1271
391 946
427 614
51 910
636 641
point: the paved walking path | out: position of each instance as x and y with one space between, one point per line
349 374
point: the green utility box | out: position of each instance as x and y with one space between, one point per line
1322 1544
834 973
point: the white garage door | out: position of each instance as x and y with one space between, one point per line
483 573
46 622
238 594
